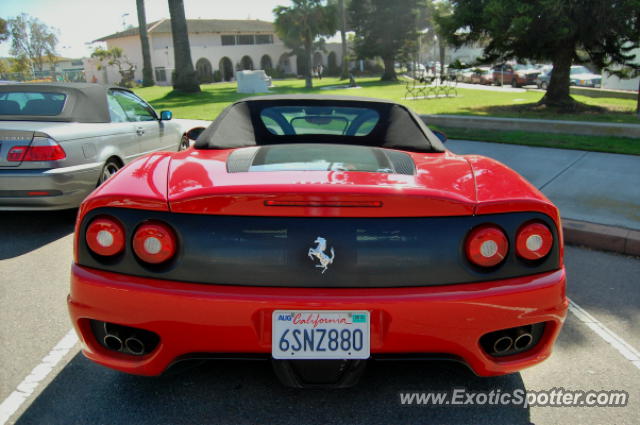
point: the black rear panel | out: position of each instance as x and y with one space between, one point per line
274 251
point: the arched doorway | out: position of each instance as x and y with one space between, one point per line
332 64
284 65
226 69
317 59
266 64
301 64
247 63
204 70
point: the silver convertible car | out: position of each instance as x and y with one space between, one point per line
59 141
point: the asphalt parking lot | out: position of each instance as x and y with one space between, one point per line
35 255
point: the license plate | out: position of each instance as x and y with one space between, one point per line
320 334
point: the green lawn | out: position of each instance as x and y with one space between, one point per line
215 97
549 140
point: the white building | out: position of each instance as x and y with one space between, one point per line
216 45
614 83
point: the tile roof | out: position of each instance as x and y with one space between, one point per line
200 26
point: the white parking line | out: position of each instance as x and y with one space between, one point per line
607 334
29 384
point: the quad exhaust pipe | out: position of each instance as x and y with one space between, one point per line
125 339
134 345
522 341
506 342
113 342
502 344
112 338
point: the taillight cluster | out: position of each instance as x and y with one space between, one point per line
153 242
105 236
40 149
487 245
534 241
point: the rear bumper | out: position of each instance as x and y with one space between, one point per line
194 318
48 189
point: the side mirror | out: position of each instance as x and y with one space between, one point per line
166 115
194 133
440 135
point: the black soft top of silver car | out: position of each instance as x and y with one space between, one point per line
81 102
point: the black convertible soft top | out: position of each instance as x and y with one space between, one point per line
241 125
85 102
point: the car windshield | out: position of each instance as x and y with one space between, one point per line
31 103
523 67
332 120
579 70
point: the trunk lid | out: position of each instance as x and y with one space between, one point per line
242 182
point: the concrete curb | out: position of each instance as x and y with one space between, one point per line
535 125
601 237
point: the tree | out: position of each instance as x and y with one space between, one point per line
147 70
384 28
602 32
32 39
116 57
300 24
344 74
4 30
436 11
4 68
184 78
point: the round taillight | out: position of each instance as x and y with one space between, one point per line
486 245
534 241
154 242
105 236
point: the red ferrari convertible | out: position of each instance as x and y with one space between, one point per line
318 233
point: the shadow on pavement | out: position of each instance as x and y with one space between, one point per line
25 231
227 392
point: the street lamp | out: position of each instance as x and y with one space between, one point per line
124 23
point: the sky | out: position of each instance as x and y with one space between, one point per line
82 21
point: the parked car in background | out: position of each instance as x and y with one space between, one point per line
581 76
578 76
58 141
544 68
482 75
542 80
464 76
327 231
516 75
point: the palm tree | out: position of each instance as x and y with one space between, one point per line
184 78
343 35
147 70
301 23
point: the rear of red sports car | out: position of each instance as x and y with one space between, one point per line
310 232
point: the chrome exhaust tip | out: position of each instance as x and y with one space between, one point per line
112 342
523 341
502 345
134 345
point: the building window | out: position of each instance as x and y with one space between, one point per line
76 63
161 74
264 39
246 39
228 40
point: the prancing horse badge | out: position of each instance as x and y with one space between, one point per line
318 252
